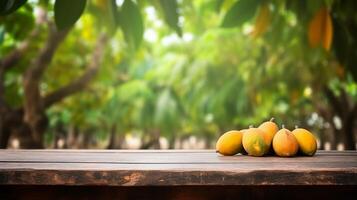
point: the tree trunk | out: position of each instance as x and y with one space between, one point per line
348 128
26 138
72 136
208 138
10 121
346 110
13 124
112 141
116 140
154 141
172 141
86 140
334 139
32 119
60 134
4 137
4 133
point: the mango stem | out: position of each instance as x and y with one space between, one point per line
272 119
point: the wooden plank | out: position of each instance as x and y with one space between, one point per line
121 168
178 192
331 152
162 157
177 177
118 150
227 167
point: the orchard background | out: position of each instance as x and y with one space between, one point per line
174 74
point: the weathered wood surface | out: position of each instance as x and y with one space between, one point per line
172 168
45 192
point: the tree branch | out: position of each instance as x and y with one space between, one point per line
83 80
13 58
32 102
40 63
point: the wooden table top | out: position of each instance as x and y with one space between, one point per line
172 168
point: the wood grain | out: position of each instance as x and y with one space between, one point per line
177 192
172 167
155 157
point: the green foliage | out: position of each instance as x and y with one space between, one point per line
209 80
2 34
114 14
131 23
67 12
240 12
18 24
9 6
171 14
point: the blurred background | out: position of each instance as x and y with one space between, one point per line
136 74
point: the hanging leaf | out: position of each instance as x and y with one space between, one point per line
2 34
9 6
170 10
67 12
320 29
240 12
131 23
262 21
218 5
114 13
109 14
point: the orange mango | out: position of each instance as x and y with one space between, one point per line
320 31
285 143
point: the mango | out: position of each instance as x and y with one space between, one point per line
255 142
306 140
230 143
242 151
270 129
285 143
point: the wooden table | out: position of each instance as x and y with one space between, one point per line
173 174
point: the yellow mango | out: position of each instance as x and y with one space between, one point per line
270 129
230 143
255 142
306 140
